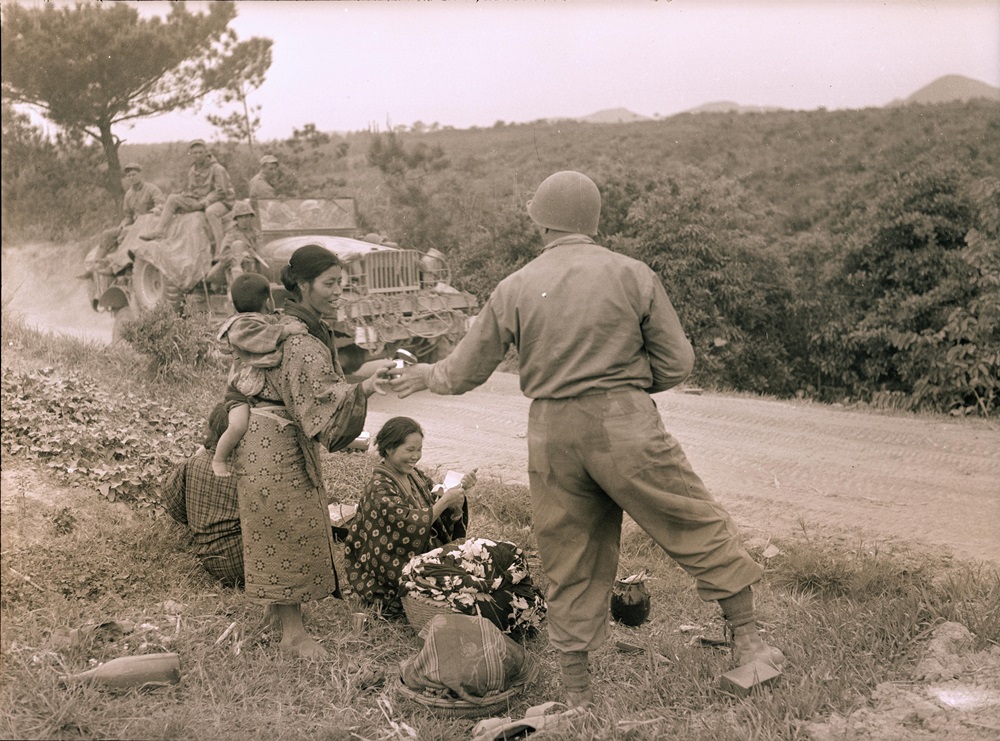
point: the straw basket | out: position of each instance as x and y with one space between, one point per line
420 609
456 707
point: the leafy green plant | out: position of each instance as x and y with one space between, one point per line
117 444
700 235
918 289
173 342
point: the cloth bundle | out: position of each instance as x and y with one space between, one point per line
479 577
468 657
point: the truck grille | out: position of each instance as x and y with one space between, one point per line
393 271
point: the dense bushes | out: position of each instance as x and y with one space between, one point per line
916 297
697 232
844 256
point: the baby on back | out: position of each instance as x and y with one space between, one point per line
253 336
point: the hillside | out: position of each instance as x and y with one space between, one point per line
728 106
613 115
949 89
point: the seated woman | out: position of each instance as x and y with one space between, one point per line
399 516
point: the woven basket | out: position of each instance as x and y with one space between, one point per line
456 707
420 609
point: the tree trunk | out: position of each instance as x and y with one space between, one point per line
110 144
249 123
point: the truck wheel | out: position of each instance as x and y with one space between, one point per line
351 358
440 348
121 316
149 287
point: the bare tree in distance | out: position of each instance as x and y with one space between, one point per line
91 67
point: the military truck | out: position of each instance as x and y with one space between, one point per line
393 298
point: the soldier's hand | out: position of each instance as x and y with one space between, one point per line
409 379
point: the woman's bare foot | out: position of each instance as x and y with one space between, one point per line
294 638
304 646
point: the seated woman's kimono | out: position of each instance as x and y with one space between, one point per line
391 527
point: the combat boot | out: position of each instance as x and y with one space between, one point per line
576 678
748 646
741 629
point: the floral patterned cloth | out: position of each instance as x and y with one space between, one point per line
479 576
287 540
393 525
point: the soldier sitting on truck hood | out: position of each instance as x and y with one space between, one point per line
140 198
208 189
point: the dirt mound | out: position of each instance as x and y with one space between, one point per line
957 696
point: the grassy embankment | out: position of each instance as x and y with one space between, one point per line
848 614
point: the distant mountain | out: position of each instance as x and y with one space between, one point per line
613 115
948 89
728 106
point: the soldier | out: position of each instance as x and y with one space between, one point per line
596 335
208 189
263 184
239 245
140 198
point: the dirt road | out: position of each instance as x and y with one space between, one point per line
775 465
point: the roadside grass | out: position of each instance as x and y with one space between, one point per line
849 614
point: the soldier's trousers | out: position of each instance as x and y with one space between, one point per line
590 458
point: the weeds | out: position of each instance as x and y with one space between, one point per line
174 343
848 614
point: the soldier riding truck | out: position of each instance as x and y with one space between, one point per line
393 298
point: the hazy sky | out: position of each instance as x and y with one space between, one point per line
347 65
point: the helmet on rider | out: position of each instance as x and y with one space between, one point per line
242 208
567 201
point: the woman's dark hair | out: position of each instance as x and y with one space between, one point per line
305 265
394 432
250 292
218 422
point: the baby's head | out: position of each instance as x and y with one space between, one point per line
250 292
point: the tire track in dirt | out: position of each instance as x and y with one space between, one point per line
775 464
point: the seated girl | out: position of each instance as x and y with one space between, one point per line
400 516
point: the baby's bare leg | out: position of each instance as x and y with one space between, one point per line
239 420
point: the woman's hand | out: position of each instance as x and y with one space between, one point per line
377 382
469 480
453 499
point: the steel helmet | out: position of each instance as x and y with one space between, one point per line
242 208
567 201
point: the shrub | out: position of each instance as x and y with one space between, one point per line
918 296
173 342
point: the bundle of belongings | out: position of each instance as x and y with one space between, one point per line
479 577
466 666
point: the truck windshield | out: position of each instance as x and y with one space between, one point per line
306 214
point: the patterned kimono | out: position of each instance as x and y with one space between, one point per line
391 527
287 541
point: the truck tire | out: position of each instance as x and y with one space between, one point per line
351 358
149 287
441 348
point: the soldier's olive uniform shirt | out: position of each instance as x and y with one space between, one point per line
140 199
583 319
596 335
260 188
210 184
